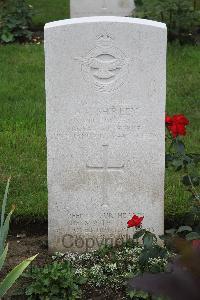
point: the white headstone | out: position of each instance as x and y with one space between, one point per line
87 8
105 89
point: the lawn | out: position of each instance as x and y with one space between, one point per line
22 124
49 10
22 128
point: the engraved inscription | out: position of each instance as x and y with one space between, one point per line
104 122
105 67
105 168
79 221
104 4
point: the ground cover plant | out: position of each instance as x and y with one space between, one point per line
54 281
103 274
106 270
22 126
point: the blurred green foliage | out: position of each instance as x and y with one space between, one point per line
181 16
15 20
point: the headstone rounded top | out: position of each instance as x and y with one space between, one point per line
87 8
109 19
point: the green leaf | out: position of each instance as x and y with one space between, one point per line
148 240
4 231
7 37
144 256
131 294
162 237
168 158
179 146
3 257
135 294
192 236
83 280
14 275
138 234
4 202
4 225
184 228
178 164
188 160
142 294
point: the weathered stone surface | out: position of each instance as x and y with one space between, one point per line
105 90
88 8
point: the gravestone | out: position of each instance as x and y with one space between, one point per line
87 8
105 91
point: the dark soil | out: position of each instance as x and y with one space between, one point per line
20 248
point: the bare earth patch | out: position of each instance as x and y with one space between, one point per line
20 248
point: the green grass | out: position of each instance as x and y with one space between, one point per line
49 10
183 96
22 124
22 128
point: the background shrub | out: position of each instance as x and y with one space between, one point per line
15 20
181 16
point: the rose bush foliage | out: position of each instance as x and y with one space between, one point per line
186 163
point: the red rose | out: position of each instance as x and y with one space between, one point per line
176 124
135 221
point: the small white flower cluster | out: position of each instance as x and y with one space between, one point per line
57 255
130 268
137 250
96 270
86 256
97 277
158 262
71 257
81 272
113 267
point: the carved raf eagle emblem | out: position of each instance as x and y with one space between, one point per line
105 67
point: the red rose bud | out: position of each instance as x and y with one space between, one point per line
135 221
176 124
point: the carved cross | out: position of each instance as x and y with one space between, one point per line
105 168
